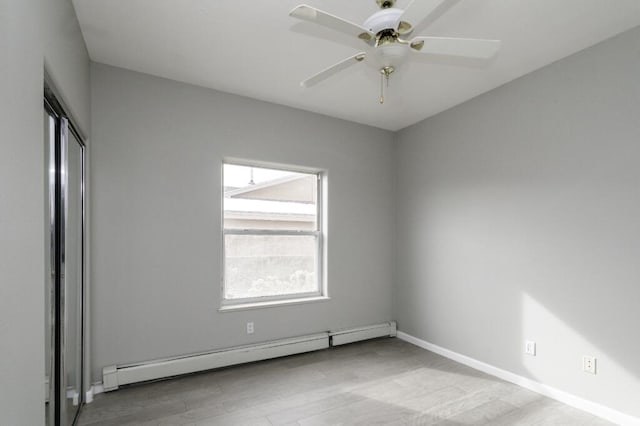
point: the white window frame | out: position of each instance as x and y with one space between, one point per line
318 234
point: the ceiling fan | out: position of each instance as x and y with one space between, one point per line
384 36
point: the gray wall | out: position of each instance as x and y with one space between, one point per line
156 157
27 29
519 218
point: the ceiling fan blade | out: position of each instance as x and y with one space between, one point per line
416 12
333 69
311 14
464 47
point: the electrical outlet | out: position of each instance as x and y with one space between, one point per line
250 328
589 364
530 348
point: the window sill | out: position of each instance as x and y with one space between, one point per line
271 304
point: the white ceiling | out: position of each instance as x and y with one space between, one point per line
253 48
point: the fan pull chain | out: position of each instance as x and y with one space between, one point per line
385 72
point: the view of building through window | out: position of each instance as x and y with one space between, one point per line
271 233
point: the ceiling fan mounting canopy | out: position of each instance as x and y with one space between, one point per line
385 4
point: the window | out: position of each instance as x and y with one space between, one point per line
272 234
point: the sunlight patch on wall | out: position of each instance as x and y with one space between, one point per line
560 349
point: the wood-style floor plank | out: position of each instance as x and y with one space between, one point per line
384 381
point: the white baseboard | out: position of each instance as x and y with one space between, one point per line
88 396
96 389
575 401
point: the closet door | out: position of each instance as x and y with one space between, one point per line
50 272
72 165
64 280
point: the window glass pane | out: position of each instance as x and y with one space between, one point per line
260 198
269 265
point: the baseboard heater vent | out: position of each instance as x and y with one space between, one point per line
116 376
342 337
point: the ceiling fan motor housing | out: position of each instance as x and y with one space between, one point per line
383 20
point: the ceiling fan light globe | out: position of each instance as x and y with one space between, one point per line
390 55
383 20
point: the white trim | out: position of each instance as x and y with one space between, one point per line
74 396
275 217
271 304
271 232
269 165
94 390
318 233
97 388
266 184
575 401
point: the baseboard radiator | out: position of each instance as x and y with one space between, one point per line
115 376
342 337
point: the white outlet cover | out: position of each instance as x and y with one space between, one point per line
530 347
589 364
250 328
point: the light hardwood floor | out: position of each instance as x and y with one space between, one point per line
384 381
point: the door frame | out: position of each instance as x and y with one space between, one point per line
57 209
